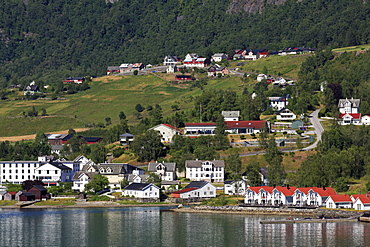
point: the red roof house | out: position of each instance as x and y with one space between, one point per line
338 201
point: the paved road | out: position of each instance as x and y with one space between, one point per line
318 129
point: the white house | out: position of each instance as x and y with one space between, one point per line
278 103
17 171
285 115
80 179
126 139
349 105
235 187
317 196
193 60
349 118
338 201
252 55
54 173
199 128
167 132
261 77
218 57
142 190
365 120
212 171
231 115
282 195
171 61
362 203
258 195
196 189
166 171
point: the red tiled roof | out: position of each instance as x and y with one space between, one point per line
285 190
324 192
184 190
355 196
258 188
170 126
340 198
12 192
364 200
353 115
200 124
245 124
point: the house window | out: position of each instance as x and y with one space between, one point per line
29 171
22 171
10 176
22 165
16 171
16 165
22 177
39 171
3 165
3 171
10 171
29 165
3 176
56 172
47 171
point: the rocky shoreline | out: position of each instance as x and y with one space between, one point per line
319 212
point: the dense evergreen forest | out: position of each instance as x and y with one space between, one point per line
48 40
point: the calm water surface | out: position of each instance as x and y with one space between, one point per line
148 226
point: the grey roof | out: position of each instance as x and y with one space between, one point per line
198 163
130 177
77 175
197 184
228 182
60 166
137 186
27 193
39 187
170 167
230 113
127 135
354 102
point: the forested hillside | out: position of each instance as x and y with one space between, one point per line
51 39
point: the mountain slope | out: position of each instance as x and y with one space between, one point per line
49 40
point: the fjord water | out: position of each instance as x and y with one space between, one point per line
149 226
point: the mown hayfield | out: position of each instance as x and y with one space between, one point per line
286 66
352 48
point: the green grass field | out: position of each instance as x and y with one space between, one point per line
286 66
352 48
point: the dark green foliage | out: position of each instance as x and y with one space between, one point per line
57 39
98 183
233 164
24 150
253 174
343 153
98 153
139 108
148 146
276 172
122 115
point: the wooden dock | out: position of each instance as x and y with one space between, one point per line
308 221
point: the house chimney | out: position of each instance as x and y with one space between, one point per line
287 186
323 187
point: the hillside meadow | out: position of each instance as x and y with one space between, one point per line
109 95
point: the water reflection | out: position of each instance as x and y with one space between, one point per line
148 226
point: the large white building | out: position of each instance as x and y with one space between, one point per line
211 171
167 132
166 171
142 190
